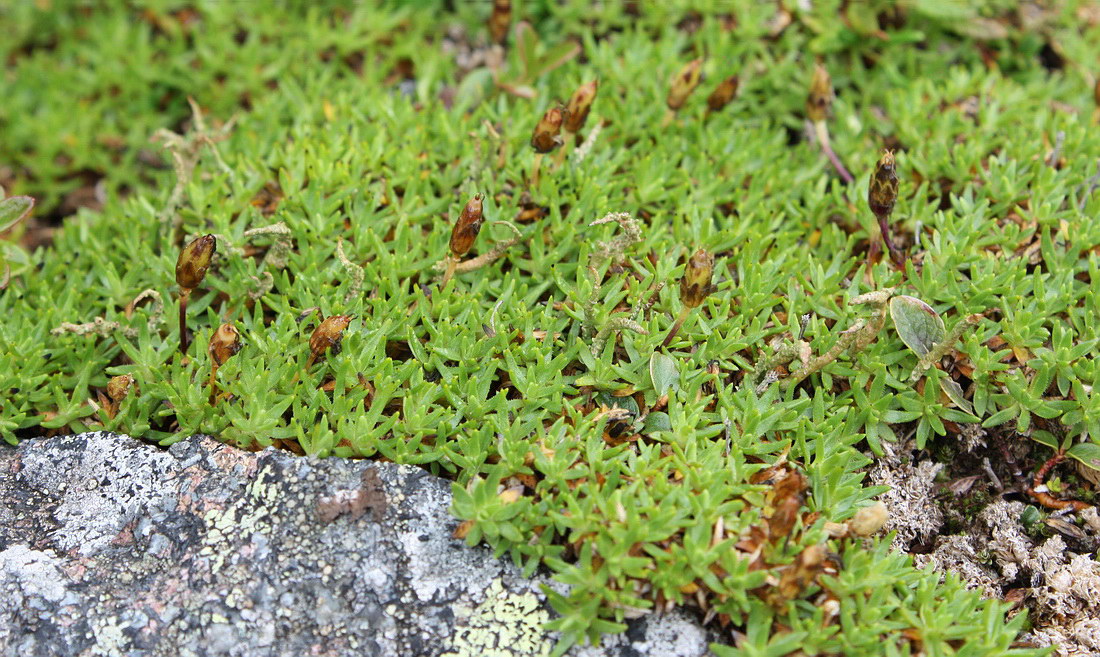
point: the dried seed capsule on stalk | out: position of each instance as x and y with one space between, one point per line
119 386
225 342
546 137
695 285
882 192
723 93
820 99
194 260
499 20
467 227
576 112
684 83
328 335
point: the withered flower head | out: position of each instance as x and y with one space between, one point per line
465 230
869 520
194 260
821 95
723 93
119 386
684 83
499 20
546 136
695 285
328 334
576 112
882 192
225 342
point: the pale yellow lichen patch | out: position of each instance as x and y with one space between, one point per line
505 625
262 491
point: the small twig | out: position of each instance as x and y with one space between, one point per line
614 324
353 270
492 254
536 164
941 348
992 475
846 340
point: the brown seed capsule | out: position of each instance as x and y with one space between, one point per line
882 192
821 95
194 260
576 112
546 137
695 285
119 386
327 335
723 93
499 20
684 83
225 342
465 230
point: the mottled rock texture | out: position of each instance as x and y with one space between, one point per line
109 546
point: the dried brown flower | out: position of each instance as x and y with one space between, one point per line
684 83
119 386
868 520
723 93
547 137
882 192
225 342
465 230
576 112
499 20
820 99
328 335
194 260
695 286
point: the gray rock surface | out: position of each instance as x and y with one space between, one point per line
109 546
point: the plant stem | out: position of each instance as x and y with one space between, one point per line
884 228
1046 499
534 181
822 131
185 296
670 116
212 384
568 139
452 264
676 327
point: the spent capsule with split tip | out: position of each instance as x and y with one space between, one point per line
695 285
546 137
119 386
194 260
467 227
576 112
225 342
684 83
882 192
328 335
820 98
499 20
723 93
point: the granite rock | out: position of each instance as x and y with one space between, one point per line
110 546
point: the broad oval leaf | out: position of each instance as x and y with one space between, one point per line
658 421
13 210
1087 453
955 393
664 373
918 325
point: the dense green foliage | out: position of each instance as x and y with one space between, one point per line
501 378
